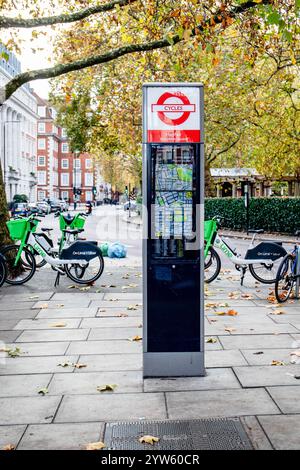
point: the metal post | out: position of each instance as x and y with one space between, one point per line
129 204
246 201
297 291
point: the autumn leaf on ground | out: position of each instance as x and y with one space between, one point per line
34 297
60 305
102 310
43 391
12 352
258 352
135 338
113 300
278 312
148 440
232 313
229 329
247 296
79 366
106 388
295 353
9 447
95 446
272 299
211 340
131 307
65 364
72 287
43 306
277 363
220 312
58 325
211 304
122 315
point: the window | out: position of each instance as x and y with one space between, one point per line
41 144
88 196
88 163
64 133
65 194
41 160
77 179
65 179
42 111
77 162
65 147
89 179
41 127
65 163
41 195
41 177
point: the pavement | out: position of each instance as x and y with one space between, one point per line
69 343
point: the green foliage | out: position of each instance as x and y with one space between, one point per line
271 214
20 198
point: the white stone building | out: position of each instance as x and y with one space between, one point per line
18 133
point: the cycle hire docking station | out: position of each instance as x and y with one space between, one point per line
173 221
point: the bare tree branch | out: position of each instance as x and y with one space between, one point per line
61 69
6 22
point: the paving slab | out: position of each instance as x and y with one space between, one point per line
30 336
116 312
84 302
47 324
256 434
114 333
224 358
113 322
286 398
266 356
28 410
115 302
12 305
62 297
42 349
7 325
105 347
213 403
264 376
61 436
23 385
17 314
27 297
67 313
257 341
242 327
87 382
11 435
283 431
212 346
127 406
125 296
216 379
287 318
36 365
111 362
9 336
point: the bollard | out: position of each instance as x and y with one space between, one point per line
297 296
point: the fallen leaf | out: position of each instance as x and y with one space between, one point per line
102 310
43 391
14 352
246 296
131 307
211 340
258 352
34 297
232 313
60 305
220 312
295 353
72 287
106 388
65 364
278 312
148 440
135 338
43 306
122 315
84 288
9 447
229 329
95 446
58 325
277 363
79 366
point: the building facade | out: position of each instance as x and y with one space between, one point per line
61 173
18 133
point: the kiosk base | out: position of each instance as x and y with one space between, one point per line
176 364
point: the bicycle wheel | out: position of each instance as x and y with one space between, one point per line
265 272
212 265
21 272
3 271
285 279
86 274
39 260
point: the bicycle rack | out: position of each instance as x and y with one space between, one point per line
297 291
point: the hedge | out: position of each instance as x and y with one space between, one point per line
273 214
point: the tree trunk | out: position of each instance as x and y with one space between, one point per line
210 187
4 215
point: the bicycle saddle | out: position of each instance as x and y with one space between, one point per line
256 231
73 231
68 219
45 229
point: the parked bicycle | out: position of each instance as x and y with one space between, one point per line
287 275
81 261
261 259
3 268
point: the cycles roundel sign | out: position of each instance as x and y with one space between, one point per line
173 114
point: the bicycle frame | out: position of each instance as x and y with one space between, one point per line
31 241
218 242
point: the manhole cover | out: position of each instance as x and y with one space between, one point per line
204 434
